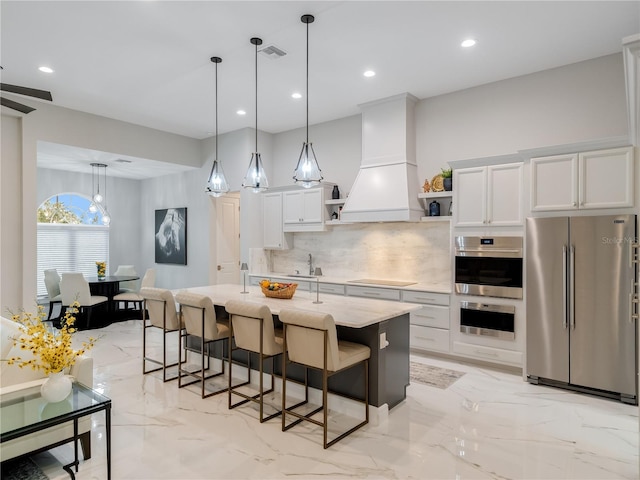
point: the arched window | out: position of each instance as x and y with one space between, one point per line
71 238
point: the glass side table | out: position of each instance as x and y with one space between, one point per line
25 412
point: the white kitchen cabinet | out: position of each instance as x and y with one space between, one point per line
489 195
304 210
588 180
429 326
274 237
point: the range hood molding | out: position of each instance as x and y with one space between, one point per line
386 187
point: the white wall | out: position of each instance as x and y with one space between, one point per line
11 217
574 103
338 148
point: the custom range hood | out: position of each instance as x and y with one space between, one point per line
386 187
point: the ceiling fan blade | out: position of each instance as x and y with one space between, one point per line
29 92
5 102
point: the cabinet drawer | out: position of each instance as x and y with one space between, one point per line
379 293
489 354
426 338
255 281
431 316
333 288
425 297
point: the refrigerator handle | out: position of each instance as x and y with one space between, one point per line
633 302
633 253
564 286
572 286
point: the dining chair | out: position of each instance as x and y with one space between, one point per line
149 280
252 329
311 340
52 284
200 320
128 286
74 287
161 307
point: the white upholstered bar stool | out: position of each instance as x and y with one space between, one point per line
52 284
310 339
149 280
161 308
199 317
74 287
253 331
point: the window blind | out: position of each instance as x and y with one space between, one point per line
70 248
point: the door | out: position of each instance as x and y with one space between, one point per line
504 194
228 239
470 196
602 331
606 178
547 321
554 183
273 236
292 207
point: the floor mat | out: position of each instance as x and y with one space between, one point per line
433 376
22 469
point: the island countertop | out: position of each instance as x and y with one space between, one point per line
440 287
353 312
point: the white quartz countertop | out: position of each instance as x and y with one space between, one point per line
418 286
354 312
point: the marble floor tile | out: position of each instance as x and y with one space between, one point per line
489 424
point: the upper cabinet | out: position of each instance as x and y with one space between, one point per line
274 237
588 180
304 210
489 195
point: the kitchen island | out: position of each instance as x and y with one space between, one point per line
382 325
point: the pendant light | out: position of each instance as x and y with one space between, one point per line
256 178
99 201
307 172
217 184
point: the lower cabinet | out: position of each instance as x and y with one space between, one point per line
489 354
429 326
428 338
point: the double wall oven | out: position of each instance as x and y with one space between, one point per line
488 267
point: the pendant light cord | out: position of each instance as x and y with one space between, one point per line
307 95
216 110
256 44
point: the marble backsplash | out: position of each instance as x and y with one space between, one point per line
419 252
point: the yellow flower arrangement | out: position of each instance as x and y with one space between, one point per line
102 268
51 349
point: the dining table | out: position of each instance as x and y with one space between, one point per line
108 286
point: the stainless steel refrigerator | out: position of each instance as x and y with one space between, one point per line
580 284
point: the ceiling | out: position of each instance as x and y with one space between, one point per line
147 62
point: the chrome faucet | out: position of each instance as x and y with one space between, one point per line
310 262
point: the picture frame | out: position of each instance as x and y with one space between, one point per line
171 236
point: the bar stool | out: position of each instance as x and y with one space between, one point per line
310 339
252 328
199 317
161 306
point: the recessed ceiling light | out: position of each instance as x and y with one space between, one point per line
241 112
46 69
469 42
369 73
296 95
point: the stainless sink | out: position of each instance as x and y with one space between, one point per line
300 275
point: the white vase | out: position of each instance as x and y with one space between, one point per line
56 388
